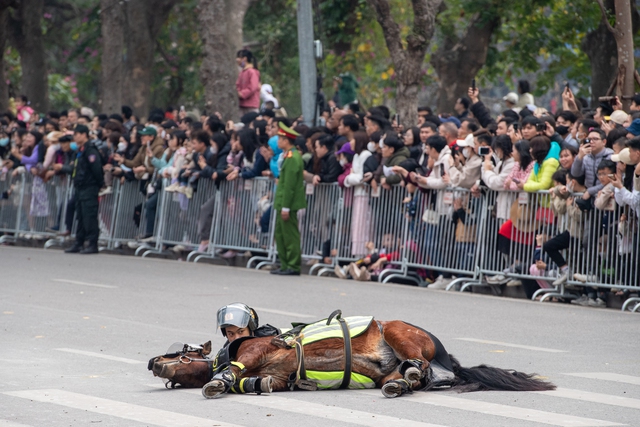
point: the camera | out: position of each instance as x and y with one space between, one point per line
484 151
541 127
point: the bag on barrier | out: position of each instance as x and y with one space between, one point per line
465 233
431 217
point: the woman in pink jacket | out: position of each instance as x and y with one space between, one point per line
248 83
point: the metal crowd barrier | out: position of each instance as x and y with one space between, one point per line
319 225
177 216
447 231
31 207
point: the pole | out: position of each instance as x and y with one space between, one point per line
308 82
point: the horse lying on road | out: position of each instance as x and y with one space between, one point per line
354 352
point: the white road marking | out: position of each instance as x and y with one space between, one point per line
608 376
506 344
101 356
507 411
93 285
285 313
7 423
587 396
327 412
142 414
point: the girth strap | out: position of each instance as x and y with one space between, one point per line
346 337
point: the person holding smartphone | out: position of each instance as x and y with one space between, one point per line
591 153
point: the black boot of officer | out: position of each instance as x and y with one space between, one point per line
88 178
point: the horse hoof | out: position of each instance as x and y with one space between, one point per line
213 389
413 374
392 389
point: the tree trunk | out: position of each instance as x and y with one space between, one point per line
407 62
112 29
600 47
221 33
144 20
457 61
26 36
626 58
623 32
4 88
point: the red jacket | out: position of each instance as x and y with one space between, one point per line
248 87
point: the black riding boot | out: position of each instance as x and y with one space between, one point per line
257 385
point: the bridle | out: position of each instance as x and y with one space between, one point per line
182 359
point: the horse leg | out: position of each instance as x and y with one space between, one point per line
394 385
413 347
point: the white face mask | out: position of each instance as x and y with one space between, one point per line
466 152
122 146
496 158
343 162
371 146
570 187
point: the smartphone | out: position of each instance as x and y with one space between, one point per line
517 181
568 86
607 119
484 151
182 108
516 127
397 119
473 84
541 127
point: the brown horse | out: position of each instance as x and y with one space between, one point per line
396 356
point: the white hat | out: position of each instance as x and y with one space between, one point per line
511 97
619 117
466 142
622 156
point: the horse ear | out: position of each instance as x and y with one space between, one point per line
206 348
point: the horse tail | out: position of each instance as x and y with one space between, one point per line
485 377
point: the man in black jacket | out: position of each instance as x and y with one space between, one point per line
330 168
87 179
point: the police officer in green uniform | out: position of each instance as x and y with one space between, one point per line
87 180
290 198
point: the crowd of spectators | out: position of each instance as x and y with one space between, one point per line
595 152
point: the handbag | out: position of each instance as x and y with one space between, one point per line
430 216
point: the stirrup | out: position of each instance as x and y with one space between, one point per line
396 388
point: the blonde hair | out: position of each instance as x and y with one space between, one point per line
55 136
540 112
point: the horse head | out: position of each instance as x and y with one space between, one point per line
183 364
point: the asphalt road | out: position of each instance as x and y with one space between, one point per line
76 333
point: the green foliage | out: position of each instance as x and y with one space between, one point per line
271 32
176 78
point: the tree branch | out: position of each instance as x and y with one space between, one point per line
605 18
390 29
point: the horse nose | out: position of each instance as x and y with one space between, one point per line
157 368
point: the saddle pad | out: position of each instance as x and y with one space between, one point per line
321 331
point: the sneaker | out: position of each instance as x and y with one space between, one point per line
564 276
365 276
28 236
188 192
598 302
440 283
498 279
53 229
105 191
340 272
354 271
133 245
583 300
179 248
585 278
181 189
514 282
172 188
148 239
229 254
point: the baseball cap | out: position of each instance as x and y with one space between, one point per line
511 97
619 117
149 130
622 156
635 127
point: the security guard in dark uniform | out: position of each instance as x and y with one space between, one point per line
87 179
